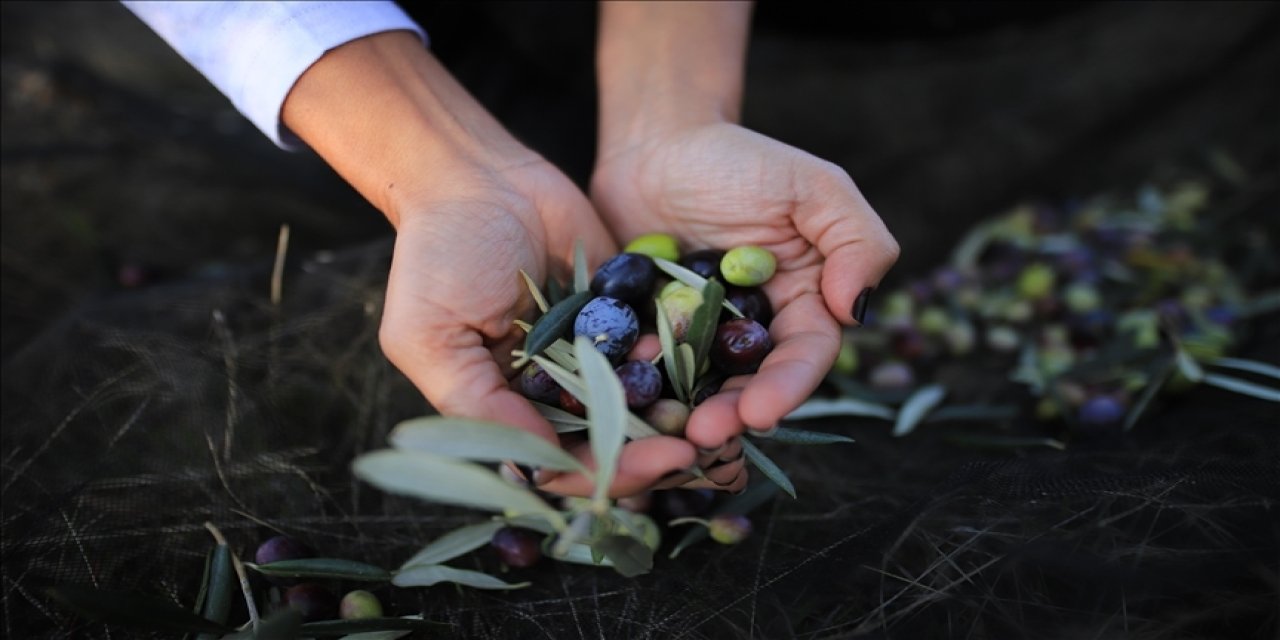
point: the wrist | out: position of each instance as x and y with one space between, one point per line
663 67
394 123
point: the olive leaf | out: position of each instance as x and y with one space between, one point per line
335 568
1251 366
581 281
214 602
455 543
635 427
702 327
425 575
562 420
606 403
1157 382
673 364
694 280
581 553
362 626
819 408
535 292
554 323
481 440
450 481
983 412
134 610
555 291
630 556
562 353
917 407
766 466
788 435
688 366
739 505
1242 387
386 634
1188 366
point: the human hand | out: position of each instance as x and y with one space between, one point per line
716 184
472 207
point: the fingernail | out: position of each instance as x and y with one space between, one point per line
542 476
860 305
525 471
767 433
713 451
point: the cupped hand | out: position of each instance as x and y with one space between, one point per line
720 185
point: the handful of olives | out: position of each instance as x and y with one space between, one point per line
706 309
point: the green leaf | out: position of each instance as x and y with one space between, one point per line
555 291
742 504
1004 442
218 589
819 408
965 255
768 467
561 352
536 523
481 440
917 407
638 526
535 292
425 575
688 367
335 568
456 543
635 427
630 556
694 280
789 435
1189 367
581 282
555 323
334 628
1242 387
702 328
449 481
982 412
670 359
134 610
581 553
562 420
1149 392
606 410
1251 366
390 635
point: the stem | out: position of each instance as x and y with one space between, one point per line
244 578
689 520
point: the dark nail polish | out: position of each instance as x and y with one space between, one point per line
860 305
525 471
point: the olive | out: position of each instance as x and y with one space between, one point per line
751 301
629 277
748 266
517 547
655 245
705 263
729 529
537 384
572 404
679 304
313 601
610 324
641 381
740 345
359 604
668 416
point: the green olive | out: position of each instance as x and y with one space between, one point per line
1036 281
655 245
360 604
748 266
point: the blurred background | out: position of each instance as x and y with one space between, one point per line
150 385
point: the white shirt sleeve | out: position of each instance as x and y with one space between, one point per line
254 51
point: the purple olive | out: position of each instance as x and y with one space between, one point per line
751 301
629 277
1102 411
740 345
313 601
710 386
729 529
705 263
517 547
683 503
572 404
610 324
537 384
280 548
642 382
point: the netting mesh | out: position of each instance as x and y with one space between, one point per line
133 416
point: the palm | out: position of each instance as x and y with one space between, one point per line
722 186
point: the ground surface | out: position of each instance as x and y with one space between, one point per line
133 414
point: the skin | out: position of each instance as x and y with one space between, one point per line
472 206
672 158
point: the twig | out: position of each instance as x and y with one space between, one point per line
244 578
277 271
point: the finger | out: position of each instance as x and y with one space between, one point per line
724 473
806 340
569 218
857 247
735 486
730 451
642 464
715 421
647 347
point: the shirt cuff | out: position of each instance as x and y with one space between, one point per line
254 52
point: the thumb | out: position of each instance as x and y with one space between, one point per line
457 373
858 249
